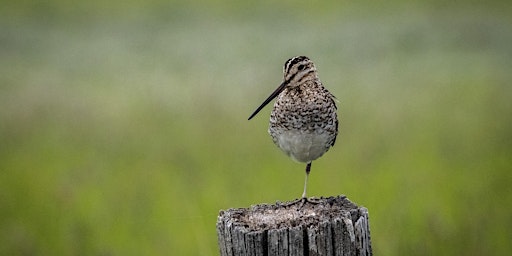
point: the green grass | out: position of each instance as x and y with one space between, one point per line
123 131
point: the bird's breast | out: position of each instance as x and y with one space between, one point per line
302 146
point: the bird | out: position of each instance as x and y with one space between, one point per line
304 120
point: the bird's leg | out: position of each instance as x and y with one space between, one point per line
308 169
304 199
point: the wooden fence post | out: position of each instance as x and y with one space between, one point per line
325 226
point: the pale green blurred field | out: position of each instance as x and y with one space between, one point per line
123 126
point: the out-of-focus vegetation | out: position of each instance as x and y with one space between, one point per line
123 124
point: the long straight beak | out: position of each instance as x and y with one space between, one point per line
269 99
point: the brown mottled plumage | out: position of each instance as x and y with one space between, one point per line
303 123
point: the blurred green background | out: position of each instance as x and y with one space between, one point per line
123 124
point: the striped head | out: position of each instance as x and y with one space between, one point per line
298 70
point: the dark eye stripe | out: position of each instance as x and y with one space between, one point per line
297 60
303 73
292 62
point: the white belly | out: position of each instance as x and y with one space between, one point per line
302 146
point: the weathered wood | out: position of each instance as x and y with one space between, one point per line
329 226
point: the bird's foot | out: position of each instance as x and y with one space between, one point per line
303 201
311 200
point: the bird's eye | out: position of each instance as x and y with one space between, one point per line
300 67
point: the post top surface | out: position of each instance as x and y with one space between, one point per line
291 214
